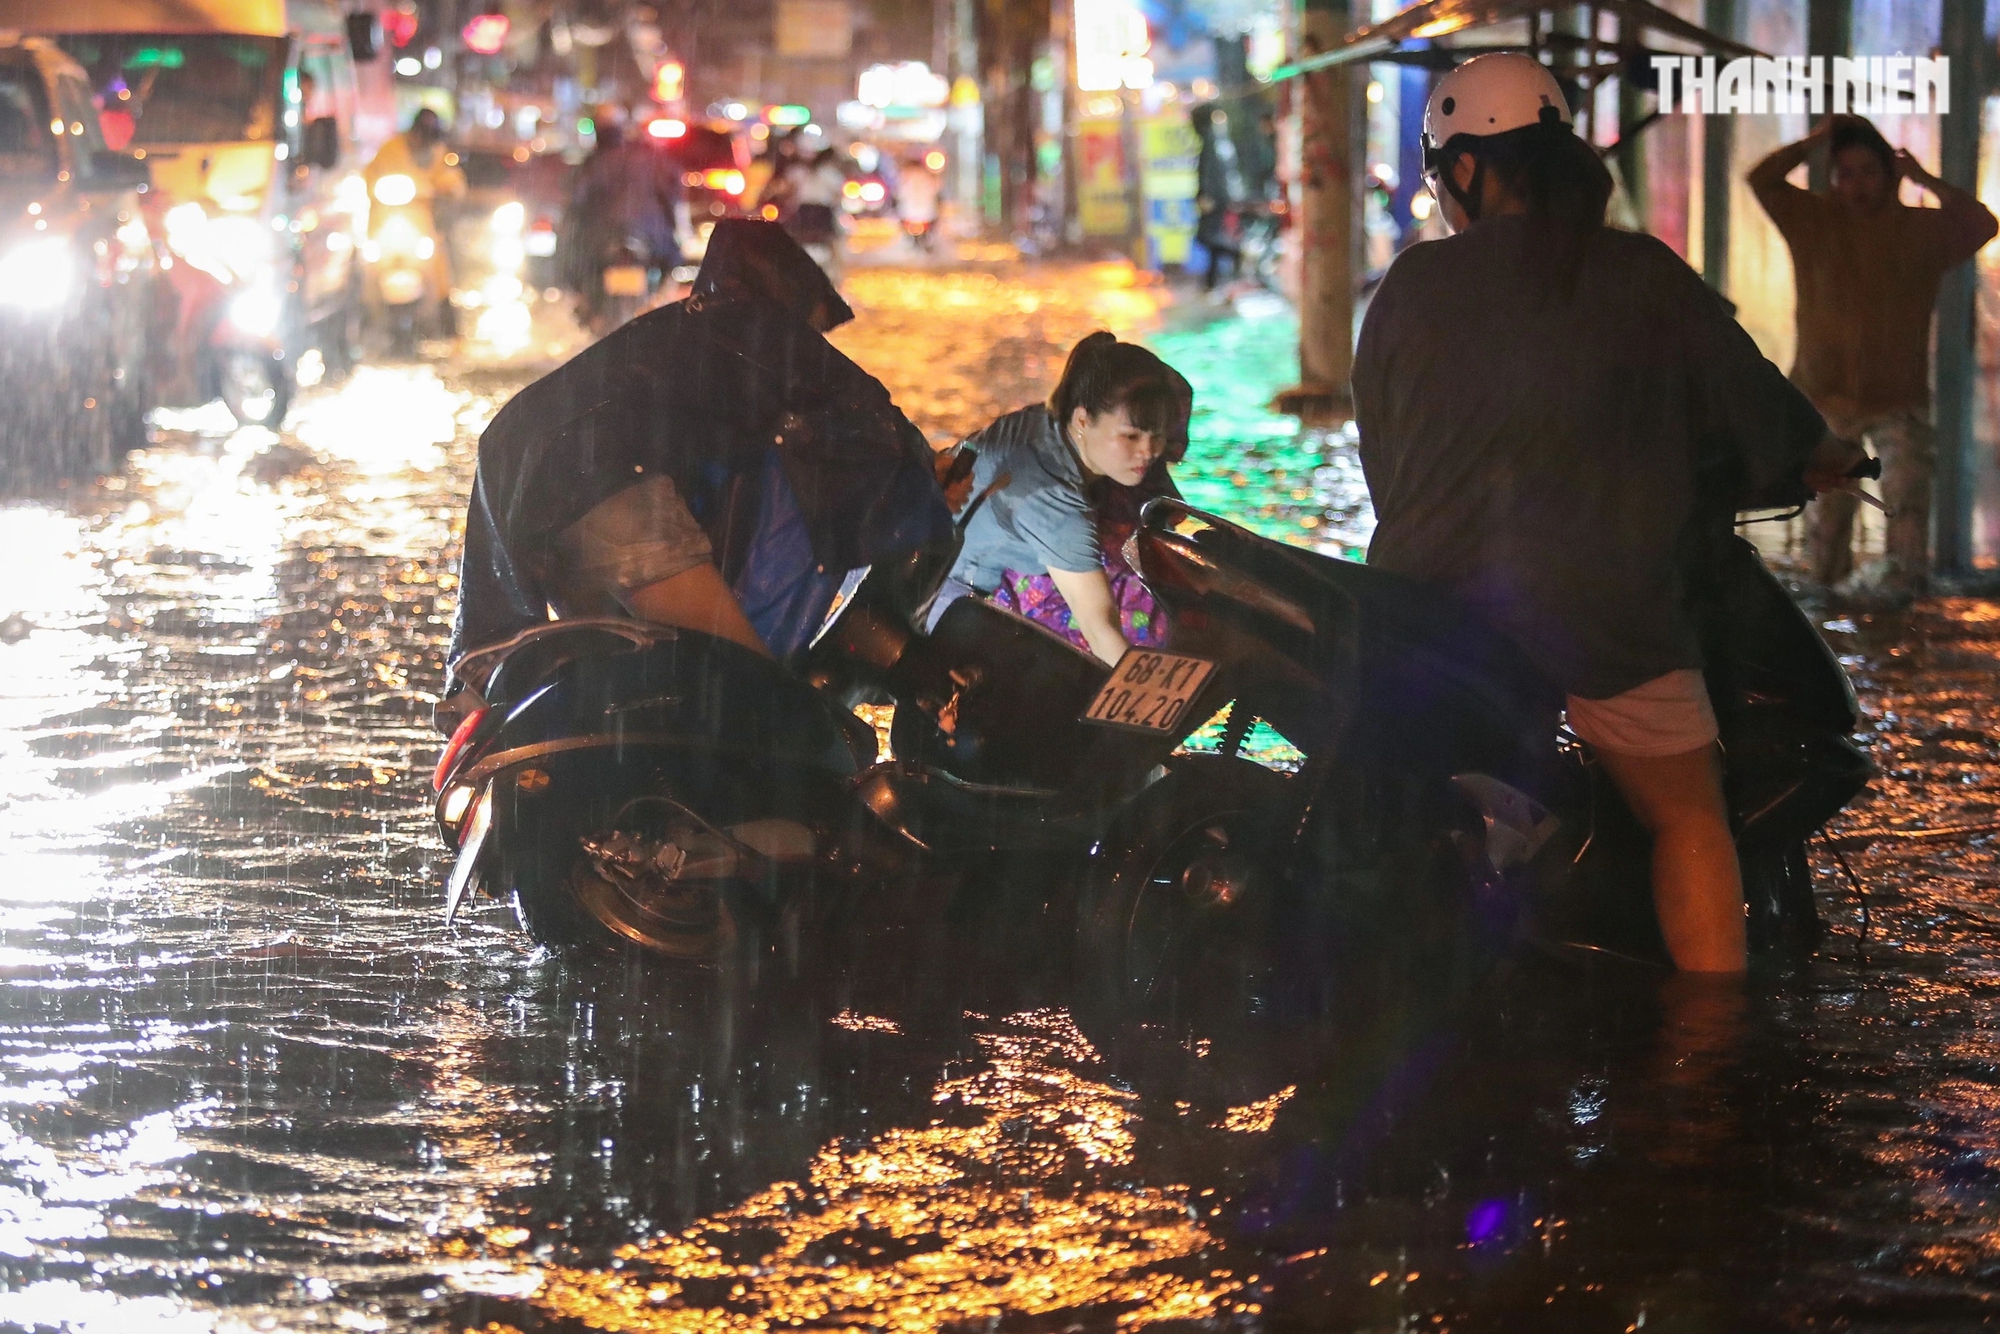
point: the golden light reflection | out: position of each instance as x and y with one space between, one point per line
1257 1117
1009 1215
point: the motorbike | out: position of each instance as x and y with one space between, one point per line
627 785
406 293
1440 819
626 279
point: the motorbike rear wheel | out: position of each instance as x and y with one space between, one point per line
563 899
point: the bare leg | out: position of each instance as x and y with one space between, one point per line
696 599
1697 883
1830 536
1909 457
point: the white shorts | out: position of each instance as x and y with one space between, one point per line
1668 715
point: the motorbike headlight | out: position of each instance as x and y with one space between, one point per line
256 312
510 217
36 275
395 190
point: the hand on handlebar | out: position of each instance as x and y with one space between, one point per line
1839 465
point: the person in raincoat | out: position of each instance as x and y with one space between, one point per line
716 465
418 156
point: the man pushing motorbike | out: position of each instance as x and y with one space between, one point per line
1552 414
715 465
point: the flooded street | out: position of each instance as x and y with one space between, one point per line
250 1081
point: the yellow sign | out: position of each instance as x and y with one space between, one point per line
1169 156
1103 204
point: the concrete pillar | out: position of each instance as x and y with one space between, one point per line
1830 33
1718 168
1329 223
1957 365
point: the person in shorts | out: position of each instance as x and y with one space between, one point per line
1551 413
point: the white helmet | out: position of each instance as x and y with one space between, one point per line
1492 94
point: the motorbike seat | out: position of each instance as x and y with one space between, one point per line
516 667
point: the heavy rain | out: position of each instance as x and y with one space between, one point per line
252 1078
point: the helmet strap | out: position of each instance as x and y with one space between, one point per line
1468 199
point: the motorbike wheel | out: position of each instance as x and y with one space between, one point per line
1176 914
614 312
256 388
564 902
1778 887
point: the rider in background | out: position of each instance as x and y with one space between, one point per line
1059 486
628 190
420 154
1548 408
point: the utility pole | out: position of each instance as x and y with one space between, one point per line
1329 224
1830 33
1957 363
1718 149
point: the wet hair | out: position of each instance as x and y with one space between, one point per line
1103 375
1854 132
1558 175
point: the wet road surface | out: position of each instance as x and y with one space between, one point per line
249 1082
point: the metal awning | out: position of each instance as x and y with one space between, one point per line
1431 34
255 18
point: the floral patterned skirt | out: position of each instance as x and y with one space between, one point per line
1140 619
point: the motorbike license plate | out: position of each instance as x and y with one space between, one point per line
625 280
1149 690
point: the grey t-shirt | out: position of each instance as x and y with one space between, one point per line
1544 457
1040 518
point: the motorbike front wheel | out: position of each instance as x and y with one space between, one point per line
1176 919
255 386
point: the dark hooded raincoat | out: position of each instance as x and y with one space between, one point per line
790 456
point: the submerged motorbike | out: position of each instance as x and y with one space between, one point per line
634 785
1441 818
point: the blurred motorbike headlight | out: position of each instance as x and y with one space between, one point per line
36 275
510 217
395 190
397 236
228 248
256 312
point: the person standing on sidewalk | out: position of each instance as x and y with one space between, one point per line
1867 268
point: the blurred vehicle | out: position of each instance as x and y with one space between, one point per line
252 115
77 266
713 164
917 194
510 224
628 276
408 274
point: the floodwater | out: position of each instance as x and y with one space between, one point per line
249 1081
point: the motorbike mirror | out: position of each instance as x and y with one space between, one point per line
364 36
322 143
117 171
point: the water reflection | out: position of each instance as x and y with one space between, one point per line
248 1082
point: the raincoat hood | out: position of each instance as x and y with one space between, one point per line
792 458
750 256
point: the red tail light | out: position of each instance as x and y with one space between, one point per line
458 741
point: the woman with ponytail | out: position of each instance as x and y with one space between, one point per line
1058 487
1555 420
